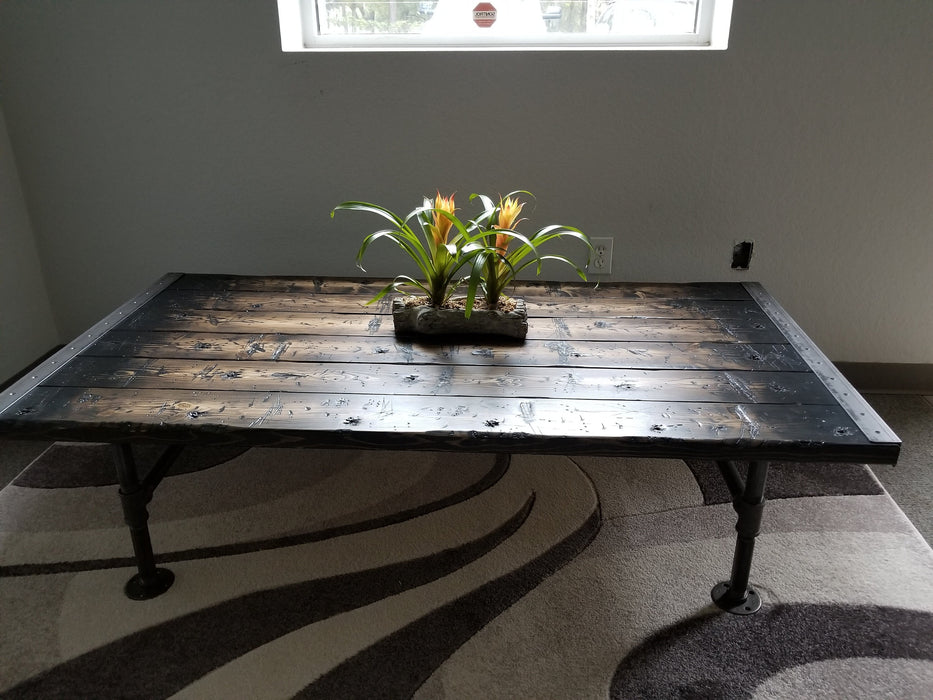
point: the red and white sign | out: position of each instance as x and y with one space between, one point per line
484 14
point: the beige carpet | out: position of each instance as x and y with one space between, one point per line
343 574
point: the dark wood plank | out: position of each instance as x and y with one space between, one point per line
634 355
689 309
656 330
632 290
559 426
181 301
256 322
368 287
441 380
647 329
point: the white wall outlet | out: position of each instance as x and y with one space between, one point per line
602 256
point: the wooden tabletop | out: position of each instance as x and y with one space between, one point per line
714 370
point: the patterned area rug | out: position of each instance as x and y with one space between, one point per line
343 574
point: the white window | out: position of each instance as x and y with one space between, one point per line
389 25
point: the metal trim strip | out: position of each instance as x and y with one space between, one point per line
44 371
859 410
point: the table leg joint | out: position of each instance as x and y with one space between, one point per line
735 595
135 495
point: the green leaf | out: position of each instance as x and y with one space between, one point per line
474 281
405 240
372 208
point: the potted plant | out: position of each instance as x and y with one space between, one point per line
483 255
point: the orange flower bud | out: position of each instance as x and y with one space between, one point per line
442 225
508 212
502 242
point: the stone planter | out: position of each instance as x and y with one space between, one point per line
432 320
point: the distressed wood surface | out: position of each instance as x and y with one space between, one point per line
277 346
367 288
449 422
376 324
448 380
537 303
637 369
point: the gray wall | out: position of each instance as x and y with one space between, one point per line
26 325
175 136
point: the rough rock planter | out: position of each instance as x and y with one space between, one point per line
411 317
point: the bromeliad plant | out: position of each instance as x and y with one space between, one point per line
443 250
485 254
508 252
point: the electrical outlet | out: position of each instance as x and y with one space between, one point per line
602 256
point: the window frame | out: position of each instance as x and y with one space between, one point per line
297 19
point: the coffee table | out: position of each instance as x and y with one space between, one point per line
715 371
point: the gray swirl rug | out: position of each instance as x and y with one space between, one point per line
344 574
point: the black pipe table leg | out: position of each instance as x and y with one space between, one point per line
149 581
734 595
